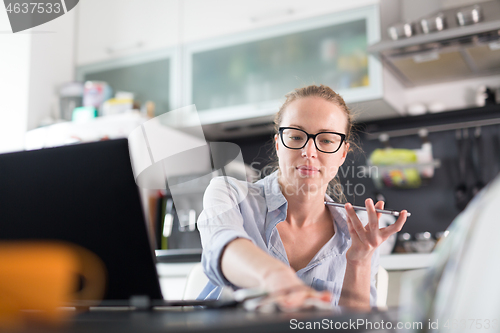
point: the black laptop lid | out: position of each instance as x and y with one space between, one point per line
84 194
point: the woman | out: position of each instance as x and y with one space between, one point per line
277 234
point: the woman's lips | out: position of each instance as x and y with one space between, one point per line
307 170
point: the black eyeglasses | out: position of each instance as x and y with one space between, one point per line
325 142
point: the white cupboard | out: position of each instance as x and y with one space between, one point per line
113 29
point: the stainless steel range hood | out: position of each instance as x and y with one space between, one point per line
458 52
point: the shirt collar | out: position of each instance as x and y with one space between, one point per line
275 199
275 202
340 218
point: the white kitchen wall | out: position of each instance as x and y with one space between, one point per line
115 28
51 64
33 63
14 85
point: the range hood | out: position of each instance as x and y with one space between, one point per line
457 52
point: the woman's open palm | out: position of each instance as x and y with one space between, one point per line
365 239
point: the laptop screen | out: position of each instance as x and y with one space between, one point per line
84 194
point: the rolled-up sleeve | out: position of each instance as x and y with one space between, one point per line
219 223
374 271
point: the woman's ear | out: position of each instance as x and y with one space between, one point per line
276 142
344 153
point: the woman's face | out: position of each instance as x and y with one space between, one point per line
308 170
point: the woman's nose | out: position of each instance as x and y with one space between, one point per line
309 149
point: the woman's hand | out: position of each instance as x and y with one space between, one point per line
365 239
289 292
247 266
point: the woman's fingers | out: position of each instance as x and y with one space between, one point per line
297 298
355 222
352 232
373 216
379 205
397 226
325 296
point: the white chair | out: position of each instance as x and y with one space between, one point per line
197 280
382 285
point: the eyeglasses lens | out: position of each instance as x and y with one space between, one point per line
296 139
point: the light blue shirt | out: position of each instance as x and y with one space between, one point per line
237 209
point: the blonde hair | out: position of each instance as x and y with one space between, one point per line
334 187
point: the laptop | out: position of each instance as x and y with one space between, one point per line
84 194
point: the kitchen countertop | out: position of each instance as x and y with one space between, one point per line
179 262
178 255
406 261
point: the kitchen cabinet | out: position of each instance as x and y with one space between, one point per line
397 265
245 75
173 277
239 73
149 76
114 28
205 19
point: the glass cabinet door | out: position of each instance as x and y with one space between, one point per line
230 75
149 76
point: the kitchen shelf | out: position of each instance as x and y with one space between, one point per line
385 167
435 122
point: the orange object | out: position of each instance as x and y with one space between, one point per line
38 278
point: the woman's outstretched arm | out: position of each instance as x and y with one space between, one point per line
365 240
246 265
